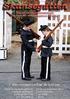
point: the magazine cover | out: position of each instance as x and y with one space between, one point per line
34 49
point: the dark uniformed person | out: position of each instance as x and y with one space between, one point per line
46 53
27 47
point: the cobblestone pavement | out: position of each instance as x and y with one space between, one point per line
12 87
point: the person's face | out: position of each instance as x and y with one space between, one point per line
45 32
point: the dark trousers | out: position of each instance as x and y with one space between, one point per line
25 62
45 68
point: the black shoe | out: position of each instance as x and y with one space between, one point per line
48 79
26 78
44 79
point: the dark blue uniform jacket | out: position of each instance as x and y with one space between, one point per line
45 52
26 36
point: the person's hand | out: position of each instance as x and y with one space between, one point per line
37 50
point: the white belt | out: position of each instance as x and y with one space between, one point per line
45 47
30 40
